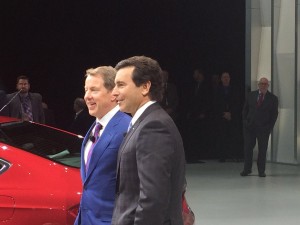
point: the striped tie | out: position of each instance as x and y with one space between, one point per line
98 127
27 109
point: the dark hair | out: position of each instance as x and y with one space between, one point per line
80 103
145 69
22 77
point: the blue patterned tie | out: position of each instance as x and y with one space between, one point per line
129 127
98 127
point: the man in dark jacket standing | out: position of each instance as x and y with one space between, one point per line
24 104
259 116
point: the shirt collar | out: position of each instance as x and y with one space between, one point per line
105 119
140 111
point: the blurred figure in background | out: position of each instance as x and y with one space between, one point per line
82 120
196 124
227 115
49 115
3 100
170 97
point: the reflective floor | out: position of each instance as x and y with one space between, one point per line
218 195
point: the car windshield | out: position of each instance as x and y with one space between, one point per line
54 144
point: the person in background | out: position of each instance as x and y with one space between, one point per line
100 148
259 116
197 118
170 100
151 162
226 109
24 104
49 115
82 120
3 100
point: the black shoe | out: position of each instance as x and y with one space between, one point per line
262 174
244 173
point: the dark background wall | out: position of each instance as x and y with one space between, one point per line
54 42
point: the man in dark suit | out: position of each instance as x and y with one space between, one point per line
25 105
100 148
227 116
196 125
170 100
259 116
82 120
151 162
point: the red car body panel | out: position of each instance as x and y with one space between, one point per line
35 190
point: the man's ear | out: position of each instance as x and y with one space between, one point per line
146 88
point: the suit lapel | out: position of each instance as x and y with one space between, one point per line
86 138
267 98
255 97
150 109
102 143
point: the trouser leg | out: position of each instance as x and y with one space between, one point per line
249 143
262 141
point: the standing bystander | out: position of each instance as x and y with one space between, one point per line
259 116
24 104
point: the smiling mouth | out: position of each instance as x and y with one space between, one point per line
91 105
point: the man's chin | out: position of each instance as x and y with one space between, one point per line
92 113
122 109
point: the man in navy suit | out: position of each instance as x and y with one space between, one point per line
259 116
99 151
151 162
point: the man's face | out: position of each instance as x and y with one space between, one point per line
263 85
198 76
23 85
98 99
225 78
129 97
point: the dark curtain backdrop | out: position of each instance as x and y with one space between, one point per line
54 42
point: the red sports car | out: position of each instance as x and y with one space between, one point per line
39 174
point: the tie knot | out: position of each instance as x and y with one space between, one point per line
98 127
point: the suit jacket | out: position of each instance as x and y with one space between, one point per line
151 172
170 100
262 117
15 107
199 100
99 183
227 102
